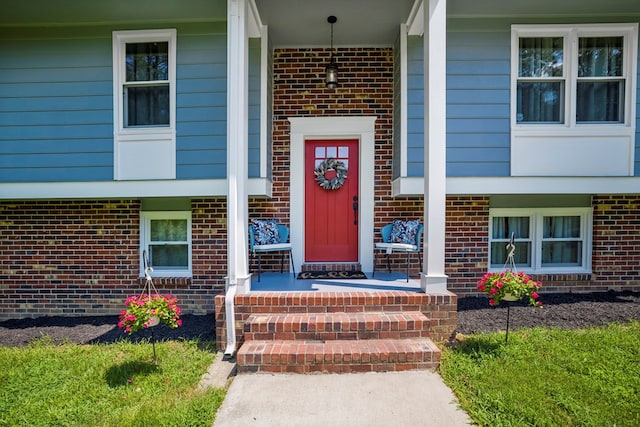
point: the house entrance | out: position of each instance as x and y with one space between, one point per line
360 129
331 203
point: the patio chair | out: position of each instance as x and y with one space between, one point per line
269 236
399 236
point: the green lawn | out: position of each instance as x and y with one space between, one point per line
106 385
548 377
541 377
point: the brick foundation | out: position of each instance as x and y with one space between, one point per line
615 246
82 257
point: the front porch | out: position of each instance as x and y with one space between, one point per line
337 325
287 282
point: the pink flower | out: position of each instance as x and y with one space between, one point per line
179 322
499 285
534 295
492 302
481 288
493 290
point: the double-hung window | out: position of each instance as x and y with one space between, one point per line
144 75
547 240
573 91
166 237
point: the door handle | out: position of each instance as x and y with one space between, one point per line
355 210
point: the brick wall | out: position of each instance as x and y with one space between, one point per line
616 241
615 246
82 257
466 241
365 89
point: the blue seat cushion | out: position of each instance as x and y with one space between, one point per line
265 232
404 231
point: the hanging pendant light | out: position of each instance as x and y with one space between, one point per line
331 71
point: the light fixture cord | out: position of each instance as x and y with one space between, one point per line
331 42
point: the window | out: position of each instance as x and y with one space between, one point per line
146 84
166 237
547 240
573 75
144 88
573 94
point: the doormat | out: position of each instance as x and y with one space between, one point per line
332 275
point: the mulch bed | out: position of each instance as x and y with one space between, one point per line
563 311
566 311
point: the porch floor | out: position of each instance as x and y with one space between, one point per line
383 281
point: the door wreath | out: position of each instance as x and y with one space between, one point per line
329 167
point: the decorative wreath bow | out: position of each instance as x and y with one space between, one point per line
331 165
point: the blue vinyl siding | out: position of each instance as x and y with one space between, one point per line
201 99
415 107
254 108
269 108
478 81
397 108
56 103
477 103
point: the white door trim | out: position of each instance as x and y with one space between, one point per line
361 128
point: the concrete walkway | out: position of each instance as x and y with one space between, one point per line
412 398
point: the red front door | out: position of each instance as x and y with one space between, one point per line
331 214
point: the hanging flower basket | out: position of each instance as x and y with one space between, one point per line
149 308
145 310
509 286
331 174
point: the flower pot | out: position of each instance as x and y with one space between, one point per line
510 297
154 321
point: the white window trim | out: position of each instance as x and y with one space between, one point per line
541 149
145 236
143 152
570 34
536 218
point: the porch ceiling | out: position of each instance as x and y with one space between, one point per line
297 23
82 12
301 23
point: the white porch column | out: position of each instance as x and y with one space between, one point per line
237 146
433 278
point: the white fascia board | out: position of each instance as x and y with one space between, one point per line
415 22
522 185
260 187
114 189
128 189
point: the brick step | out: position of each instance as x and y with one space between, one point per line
338 356
440 308
331 302
336 326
